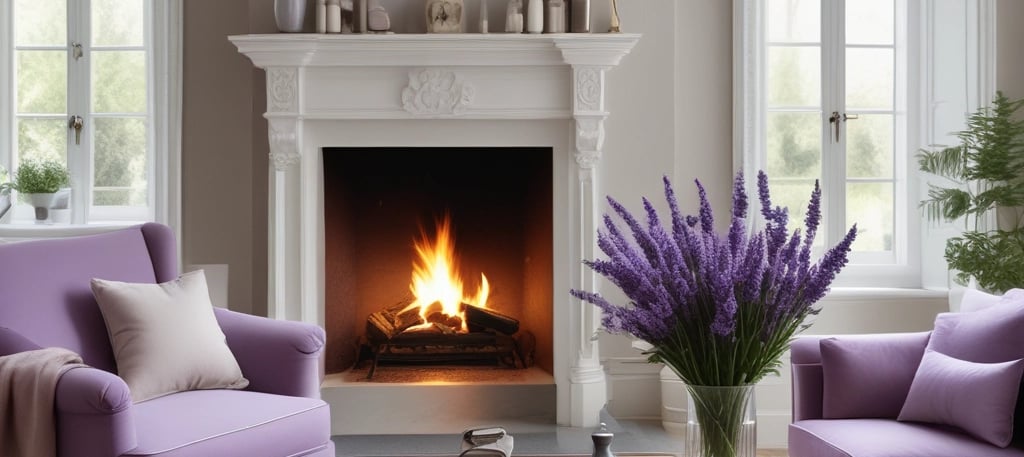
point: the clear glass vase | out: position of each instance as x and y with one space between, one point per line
721 421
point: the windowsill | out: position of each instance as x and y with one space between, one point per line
882 293
27 230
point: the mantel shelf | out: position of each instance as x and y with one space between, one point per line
464 49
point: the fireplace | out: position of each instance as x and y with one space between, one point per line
511 92
437 255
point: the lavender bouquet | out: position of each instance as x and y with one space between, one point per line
719 310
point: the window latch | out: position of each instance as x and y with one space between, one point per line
76 50
834 120
76 122
836 117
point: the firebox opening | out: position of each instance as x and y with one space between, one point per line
384 206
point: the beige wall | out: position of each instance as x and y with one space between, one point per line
1010 41
224 148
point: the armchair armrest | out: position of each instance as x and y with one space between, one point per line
278 357
12 342
94 414
808 381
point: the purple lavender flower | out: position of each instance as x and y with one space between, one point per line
719 309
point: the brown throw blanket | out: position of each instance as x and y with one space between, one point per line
28 381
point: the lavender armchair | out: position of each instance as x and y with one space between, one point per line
45 301
876 433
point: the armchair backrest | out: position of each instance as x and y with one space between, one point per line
44 285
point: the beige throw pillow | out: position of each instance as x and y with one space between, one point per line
165 336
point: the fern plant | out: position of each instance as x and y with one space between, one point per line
987 173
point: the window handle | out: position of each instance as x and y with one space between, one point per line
76 122
76 50
834 120
836 117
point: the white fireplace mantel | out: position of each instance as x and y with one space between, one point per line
324 90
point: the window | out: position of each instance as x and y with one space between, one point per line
847 91
831 104
111 64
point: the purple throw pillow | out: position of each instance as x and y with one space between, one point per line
978 398
868 376
989 335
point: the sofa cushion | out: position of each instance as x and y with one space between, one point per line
978 398
165 336
230 422
885 438
891 359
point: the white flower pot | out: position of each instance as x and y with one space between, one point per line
41 202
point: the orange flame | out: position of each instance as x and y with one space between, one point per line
435 275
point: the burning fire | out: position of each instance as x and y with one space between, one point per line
435 277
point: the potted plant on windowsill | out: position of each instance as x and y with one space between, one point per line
986 172
38 182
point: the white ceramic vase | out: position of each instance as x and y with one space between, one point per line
289 15
535 16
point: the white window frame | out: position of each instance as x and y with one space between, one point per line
165 104
915 245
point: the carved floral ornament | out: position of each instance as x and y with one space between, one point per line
588 89
438 92
282 89
284 150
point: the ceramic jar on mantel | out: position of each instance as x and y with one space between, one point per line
445 16
289 15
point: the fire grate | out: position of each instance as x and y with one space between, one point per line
400 336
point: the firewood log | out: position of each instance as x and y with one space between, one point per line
482 318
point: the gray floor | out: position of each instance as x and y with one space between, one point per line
632 437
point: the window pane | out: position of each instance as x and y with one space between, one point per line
869 78
42 82
794 76
870 206
120 166
40 23
117 22
869 21
794 21
794 145
42 139
119 81
869 146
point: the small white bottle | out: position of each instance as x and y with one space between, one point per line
333 16
321 16
514 16
483 16
535 16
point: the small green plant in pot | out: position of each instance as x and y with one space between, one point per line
38 182
986 171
